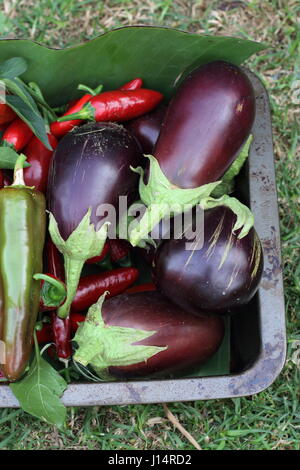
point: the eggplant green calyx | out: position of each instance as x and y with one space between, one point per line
227 185
83 243
87 113
103 346
163 199
244 217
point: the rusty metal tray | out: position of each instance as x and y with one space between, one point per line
258 340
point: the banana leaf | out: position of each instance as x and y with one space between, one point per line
161 56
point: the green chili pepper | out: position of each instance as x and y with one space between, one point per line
22 234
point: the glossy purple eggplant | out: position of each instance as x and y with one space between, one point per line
190 340
219 275
206 123
146 128
91 166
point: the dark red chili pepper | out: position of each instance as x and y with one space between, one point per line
53 292
101 257
39 158
44 335
148 286
118 105
76 318
61 329
54 260
6 114
119 252
17 134
134 84
91 287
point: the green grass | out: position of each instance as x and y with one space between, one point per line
271 419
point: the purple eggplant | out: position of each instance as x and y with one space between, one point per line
90 169
206 123
91 166
178 341
146 128
219 276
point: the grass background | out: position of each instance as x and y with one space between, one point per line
271 419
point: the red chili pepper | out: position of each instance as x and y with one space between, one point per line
53 292
101 257
120 252
91 287
75 319
61 329
6 114
17 134
118 105
45 334
148 286
39 158
59 129
134 84
54 260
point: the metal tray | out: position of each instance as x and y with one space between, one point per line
258 338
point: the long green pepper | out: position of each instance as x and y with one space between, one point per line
22 236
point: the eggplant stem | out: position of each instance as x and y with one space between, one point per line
73 268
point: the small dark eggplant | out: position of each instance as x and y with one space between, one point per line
90 167
146 128
221 275
90 171
152 337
